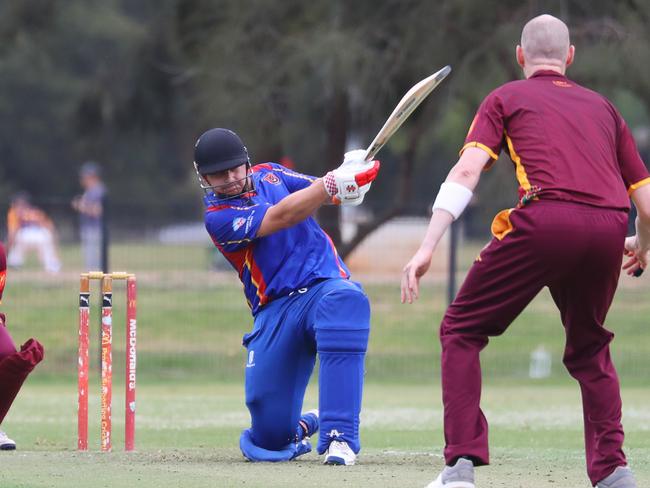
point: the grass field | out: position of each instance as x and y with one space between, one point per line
191 321
187 436
190 395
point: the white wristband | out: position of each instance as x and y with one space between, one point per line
452 197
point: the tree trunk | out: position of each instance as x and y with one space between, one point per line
337 129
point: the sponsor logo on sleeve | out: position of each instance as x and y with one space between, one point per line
237 223
249 222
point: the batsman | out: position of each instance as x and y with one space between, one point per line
299 292
577 166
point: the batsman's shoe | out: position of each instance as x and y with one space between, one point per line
339 454
622 477
6 444
460 475
309 423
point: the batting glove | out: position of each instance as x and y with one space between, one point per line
356 156
348 184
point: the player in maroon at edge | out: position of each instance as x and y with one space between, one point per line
577 166
14 365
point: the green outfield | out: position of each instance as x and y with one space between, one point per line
188 434
191 320
190 393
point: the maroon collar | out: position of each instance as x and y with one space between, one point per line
547 72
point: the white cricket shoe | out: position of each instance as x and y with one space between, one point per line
339 453
6 444
460 475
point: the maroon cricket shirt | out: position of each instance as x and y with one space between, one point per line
566 142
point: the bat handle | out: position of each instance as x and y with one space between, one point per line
370 155
638 272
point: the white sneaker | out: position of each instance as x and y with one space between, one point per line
6 444
339 453
460 475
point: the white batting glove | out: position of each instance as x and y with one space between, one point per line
354 156
348 184
353 202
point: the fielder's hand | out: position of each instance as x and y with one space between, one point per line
349 183
638 257
413 271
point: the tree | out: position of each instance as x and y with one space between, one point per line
85 80
133 84
304 78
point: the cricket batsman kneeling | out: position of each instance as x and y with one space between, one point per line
299 292
14 365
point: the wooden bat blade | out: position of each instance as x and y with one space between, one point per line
404 108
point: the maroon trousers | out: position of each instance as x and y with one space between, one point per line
15 366
576 251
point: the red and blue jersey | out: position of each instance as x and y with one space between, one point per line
274 265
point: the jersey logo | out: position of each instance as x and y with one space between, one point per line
562 84
334 434
251 359
249 222
237 223
271 178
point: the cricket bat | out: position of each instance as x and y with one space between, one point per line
404 108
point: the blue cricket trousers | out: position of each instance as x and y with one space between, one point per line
330 319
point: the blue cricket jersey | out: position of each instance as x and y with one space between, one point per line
277 264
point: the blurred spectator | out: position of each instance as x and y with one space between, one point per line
29 228
90 206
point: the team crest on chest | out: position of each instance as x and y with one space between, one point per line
271 178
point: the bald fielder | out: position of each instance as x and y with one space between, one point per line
299 292
15 365
577 165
